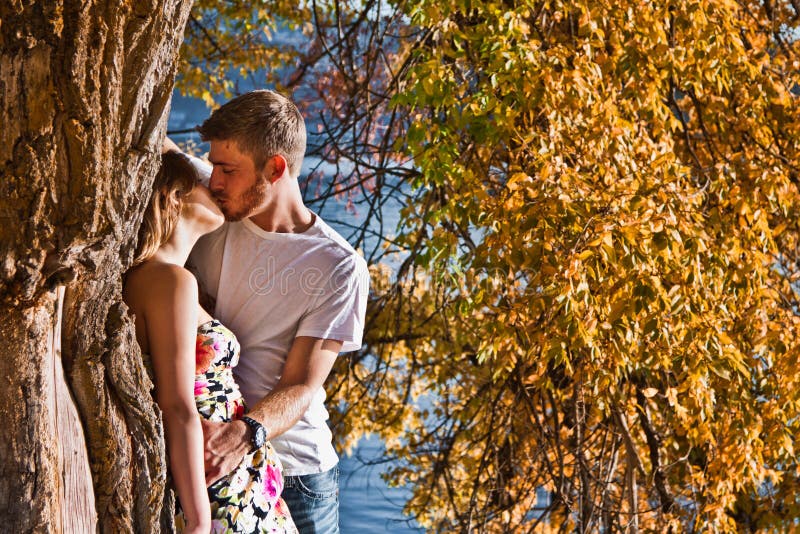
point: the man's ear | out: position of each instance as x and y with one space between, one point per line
278 167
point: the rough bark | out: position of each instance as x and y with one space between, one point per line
84 94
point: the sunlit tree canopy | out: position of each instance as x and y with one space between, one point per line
587 317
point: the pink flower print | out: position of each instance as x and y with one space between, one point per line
273 482
199 387
204 354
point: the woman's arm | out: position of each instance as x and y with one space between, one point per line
170 314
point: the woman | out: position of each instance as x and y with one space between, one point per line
192 356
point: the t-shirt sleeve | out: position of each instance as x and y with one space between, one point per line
202 167
339 312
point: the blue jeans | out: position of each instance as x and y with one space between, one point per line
313 501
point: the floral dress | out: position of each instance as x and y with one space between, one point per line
248 499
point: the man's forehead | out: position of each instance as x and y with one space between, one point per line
225 151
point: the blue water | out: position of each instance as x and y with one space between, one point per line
366 502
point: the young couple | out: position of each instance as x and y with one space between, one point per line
291 289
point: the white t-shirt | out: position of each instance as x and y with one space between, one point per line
272 287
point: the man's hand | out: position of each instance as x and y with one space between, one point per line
225 444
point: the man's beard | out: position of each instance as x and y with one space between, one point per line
251 199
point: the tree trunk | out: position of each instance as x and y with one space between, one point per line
84 95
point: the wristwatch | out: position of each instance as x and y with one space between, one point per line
259 432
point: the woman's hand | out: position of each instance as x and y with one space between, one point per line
202 528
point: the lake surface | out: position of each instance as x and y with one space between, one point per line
366 502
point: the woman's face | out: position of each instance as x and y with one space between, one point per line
200 210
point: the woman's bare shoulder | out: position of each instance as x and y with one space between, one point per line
154 281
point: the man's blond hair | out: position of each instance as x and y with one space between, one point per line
263 124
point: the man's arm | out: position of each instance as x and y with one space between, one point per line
307 367
169 146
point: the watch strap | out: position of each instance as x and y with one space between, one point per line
255 425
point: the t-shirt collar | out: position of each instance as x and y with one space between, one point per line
257 230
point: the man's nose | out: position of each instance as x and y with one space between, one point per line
216 182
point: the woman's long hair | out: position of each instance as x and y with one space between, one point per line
175 179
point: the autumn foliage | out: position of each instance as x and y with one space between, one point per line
588 317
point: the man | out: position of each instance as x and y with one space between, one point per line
292 290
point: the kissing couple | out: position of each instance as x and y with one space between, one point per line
240 380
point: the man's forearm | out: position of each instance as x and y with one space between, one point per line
282 408
169 146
